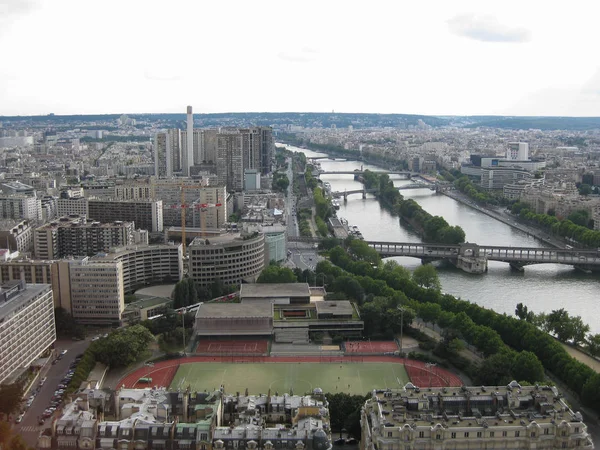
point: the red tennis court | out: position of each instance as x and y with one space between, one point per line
371 347
237 347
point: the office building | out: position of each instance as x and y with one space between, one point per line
517 151
16 187
97 294
77 236
27 326
483 417
20 206
146 214
169 191
495 178
197 137
231 258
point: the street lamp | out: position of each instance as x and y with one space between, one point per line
401 309
317 278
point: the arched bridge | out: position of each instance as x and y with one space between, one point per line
473 258
364 192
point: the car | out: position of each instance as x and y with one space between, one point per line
351 441
63 353
41 421
19 419
43 380
340 441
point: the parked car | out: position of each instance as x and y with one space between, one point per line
20 418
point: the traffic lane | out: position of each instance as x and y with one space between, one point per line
29 427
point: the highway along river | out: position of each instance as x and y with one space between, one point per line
542 287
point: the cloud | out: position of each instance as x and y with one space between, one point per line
486 29
10 9
305 54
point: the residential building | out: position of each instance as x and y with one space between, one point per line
68 206
231 258
97 294
20 206
16 235
146 214
230 160
77 236
27 326
483 417
156 418
209 210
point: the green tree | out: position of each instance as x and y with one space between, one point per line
426 276
122 347
276 274
185 293
585 189
593 344
590 393
527 367
523 313
496 370
10 398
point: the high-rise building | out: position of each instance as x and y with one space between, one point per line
76 236
167 153
187 159
230 159
146 214
97 294
197 157
209 211
27 325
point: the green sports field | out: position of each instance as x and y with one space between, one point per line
352 378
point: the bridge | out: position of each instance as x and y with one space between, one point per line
473 258
364 192
404 173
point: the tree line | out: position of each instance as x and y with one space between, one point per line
432 228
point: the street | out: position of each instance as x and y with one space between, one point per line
29 428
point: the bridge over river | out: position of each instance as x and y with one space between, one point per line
364 192
473 258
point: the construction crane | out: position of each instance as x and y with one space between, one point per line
202 207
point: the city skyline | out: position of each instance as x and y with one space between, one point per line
463 58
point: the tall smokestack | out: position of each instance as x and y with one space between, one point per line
188 156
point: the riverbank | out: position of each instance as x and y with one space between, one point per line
507 219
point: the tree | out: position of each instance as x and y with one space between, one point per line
426 276
276 274
527 367
585 189
496 370
185 293
122 347
593 344
523 313
10 398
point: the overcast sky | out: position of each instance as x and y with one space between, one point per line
440 57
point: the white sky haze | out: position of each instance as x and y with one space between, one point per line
526 57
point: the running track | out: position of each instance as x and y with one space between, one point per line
162 373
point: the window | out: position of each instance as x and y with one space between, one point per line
533 434
517 433
576 429
564 445
466 434
438 437
479 434
546 430
504 434
390 434
421 434
453 435
563 433
492 434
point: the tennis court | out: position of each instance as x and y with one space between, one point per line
301 377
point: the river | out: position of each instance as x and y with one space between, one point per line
542 287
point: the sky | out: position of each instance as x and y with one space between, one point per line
437 57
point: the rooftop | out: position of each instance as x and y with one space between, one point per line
267 290
16 297
223 310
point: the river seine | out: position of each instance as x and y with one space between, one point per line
542 287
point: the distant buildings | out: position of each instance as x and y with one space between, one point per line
26 325
482 417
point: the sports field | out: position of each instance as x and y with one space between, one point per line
302 377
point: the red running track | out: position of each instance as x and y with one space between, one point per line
371 347
162 373
258 347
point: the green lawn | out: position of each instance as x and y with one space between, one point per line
352 378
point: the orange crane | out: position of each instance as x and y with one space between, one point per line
202 207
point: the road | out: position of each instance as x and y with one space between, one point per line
29 428
292 221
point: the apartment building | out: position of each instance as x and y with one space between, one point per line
231 258
146 214
71 236
230 159
483 417
97 293
26 325
17 236
20 206
72 206
209 210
